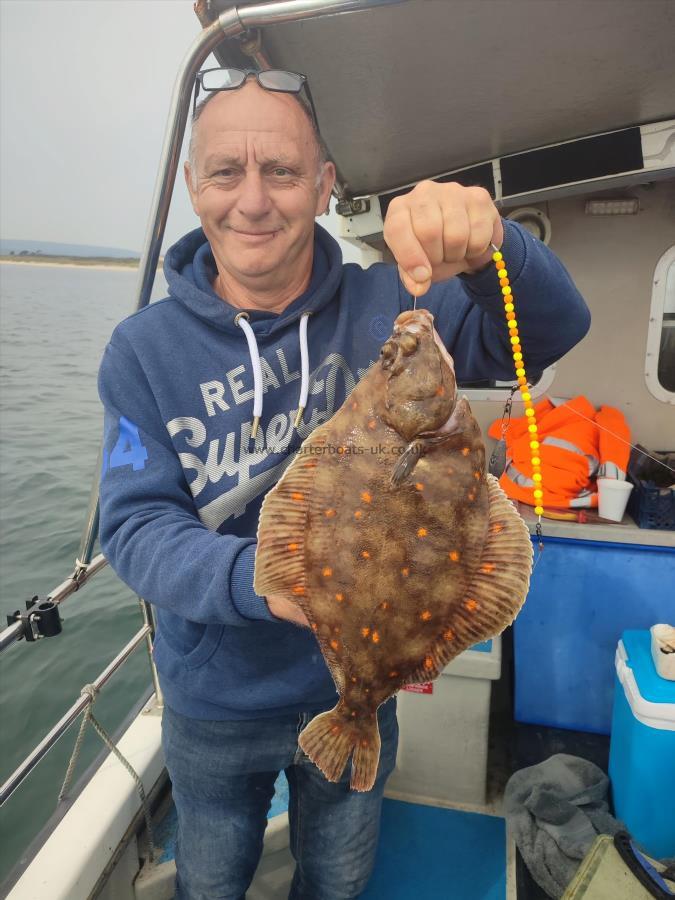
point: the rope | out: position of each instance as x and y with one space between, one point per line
91 691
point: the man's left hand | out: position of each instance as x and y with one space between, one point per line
439 230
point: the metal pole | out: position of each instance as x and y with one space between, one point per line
149 620
65 589
67 720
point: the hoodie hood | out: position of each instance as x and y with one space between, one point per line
190 269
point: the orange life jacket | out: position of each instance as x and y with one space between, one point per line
577 445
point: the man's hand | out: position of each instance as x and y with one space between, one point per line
285 608
439 230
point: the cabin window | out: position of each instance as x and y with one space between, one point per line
500 390
660 367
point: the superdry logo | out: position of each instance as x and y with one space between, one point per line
236 455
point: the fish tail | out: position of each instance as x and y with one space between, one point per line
331 737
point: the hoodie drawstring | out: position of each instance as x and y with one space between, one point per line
241 319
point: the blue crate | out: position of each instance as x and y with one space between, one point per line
583 595
651 506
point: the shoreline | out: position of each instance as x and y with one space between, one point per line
74 264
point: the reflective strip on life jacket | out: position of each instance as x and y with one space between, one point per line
592 461
611 470
517 476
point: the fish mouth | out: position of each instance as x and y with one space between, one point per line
421 321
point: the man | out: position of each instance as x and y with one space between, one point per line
183 478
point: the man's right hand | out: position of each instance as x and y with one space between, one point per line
285 608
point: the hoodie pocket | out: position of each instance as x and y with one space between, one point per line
192 642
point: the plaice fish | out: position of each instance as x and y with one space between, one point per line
388 533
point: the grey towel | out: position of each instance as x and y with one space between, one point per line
555 810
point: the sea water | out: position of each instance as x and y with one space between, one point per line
54 324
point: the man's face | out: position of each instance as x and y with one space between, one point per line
256 190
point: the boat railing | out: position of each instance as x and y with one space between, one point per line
41 618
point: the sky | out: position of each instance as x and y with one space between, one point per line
85 87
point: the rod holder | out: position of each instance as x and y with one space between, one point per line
40 620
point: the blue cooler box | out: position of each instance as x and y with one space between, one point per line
642 748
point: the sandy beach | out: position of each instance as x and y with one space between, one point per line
72 264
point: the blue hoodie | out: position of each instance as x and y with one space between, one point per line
183 482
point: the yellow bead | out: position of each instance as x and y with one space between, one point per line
506 290
536 461
539 510
520 372
514 339
536 477
534 445
497 256
529 412
513 323
532 429
518 356
525 395
509 307
538 494
502 273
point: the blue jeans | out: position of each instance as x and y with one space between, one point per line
223 776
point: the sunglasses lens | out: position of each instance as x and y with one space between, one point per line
277 80
222 79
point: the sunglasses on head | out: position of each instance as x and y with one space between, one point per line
276 80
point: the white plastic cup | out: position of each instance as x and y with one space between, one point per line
613 497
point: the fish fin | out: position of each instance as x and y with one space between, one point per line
406 462
280 553
496 591
329 739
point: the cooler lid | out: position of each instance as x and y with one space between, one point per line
651 686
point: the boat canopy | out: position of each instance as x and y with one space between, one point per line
428 87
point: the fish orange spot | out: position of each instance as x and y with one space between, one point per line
334 644
454 555
426 615
326 571
376 637
336 629
339 597
297 496
365 554
329 513
312 464
428 663
335 729
476 475
365 632
449 635
297 589
315 627
440 391
358 513
405 571
293 547
471 605
465 451
421 532
355 405
419 486
364 743
353 680
353 714
366 497
497 527
393 673
341 450
487 568
384 605
372 424
471 495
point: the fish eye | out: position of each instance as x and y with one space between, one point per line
408 343
388 350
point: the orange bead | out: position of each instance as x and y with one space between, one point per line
503 281
510 316
522 381
517 348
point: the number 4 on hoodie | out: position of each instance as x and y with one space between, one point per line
129 450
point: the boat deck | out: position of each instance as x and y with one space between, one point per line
430 852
